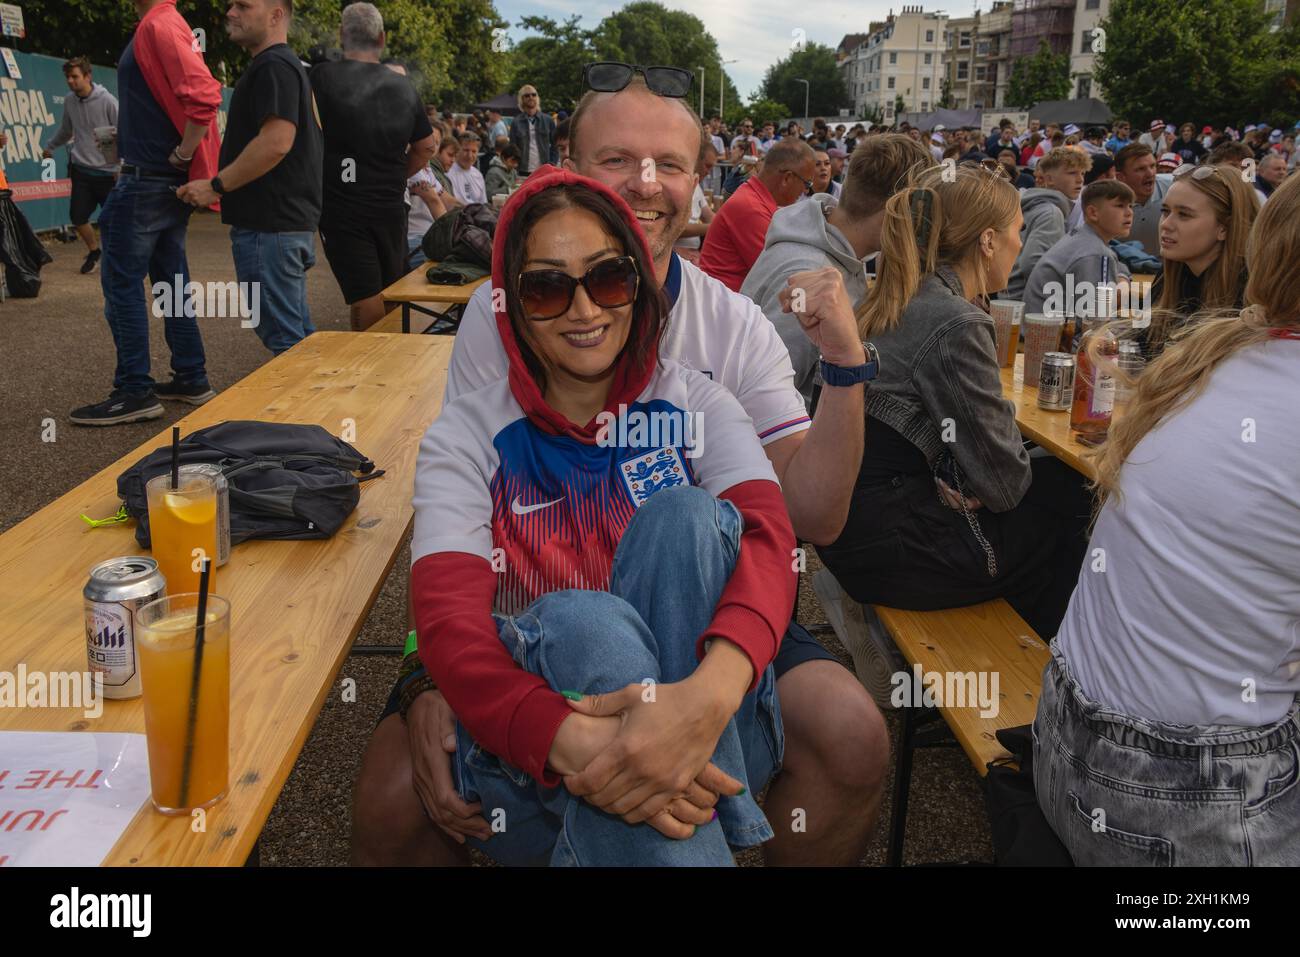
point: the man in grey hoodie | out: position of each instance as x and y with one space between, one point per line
89 106
1060 179
818 233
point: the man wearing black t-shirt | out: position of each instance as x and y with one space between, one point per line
269 179
370 116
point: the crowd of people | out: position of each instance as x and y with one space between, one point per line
835 346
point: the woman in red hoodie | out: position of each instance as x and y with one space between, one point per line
617 514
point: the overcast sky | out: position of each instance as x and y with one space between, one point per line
757 33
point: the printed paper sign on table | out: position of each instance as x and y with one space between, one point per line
66 797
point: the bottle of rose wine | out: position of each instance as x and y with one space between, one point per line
1094 382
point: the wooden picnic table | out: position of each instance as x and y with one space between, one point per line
296 606
1048 428
413 289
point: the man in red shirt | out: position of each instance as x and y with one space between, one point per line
735 238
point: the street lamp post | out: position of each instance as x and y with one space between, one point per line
701 69
722 83
806 88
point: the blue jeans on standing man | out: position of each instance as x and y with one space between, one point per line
669 570
142 231
278 263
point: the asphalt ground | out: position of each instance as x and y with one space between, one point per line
58 354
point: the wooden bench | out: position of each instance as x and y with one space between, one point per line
983 640
392 321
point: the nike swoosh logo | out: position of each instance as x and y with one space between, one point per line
525 509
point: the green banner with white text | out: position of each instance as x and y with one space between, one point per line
31 108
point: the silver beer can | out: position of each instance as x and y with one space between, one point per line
116 589
1056 382
223 504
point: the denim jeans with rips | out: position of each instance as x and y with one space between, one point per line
669 571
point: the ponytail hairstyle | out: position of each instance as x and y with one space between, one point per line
929 223
1181 372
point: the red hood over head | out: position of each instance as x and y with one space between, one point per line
628 382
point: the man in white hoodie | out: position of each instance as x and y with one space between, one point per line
819 232
88 106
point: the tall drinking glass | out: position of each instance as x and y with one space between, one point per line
183 529
186 700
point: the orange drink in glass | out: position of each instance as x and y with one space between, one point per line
187 721
183 529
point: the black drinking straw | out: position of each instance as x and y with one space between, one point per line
176 457
200 623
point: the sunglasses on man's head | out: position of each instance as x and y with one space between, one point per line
548 293
610 77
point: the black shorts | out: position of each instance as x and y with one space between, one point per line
367 254
89 190
797 647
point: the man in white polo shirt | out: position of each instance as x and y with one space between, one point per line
836 745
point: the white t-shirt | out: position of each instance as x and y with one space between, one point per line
698 203
1196 617
467 184
710 329
418 217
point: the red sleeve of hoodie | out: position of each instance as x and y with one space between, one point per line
187 76
755 607
507 710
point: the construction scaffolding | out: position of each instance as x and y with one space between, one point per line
1033 21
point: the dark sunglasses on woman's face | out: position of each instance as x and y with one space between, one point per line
610 77
548 293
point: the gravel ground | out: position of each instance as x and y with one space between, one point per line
58 354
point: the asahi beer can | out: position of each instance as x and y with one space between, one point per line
116 589
223 504
1056 382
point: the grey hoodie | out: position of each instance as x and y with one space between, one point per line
1045 212
80 117
1072 262
800 238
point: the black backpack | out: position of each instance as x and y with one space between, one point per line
286 481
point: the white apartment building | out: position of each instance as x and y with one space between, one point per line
899 57
1085 47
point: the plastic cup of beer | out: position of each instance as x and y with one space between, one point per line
186 700
183 528
1042 335
1006 315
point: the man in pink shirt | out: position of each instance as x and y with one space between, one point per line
735 238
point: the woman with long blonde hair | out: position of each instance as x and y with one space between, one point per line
948 509
1205 221
1171 700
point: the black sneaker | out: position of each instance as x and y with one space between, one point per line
195 393
118 409
89 265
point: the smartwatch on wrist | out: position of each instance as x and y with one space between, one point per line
852 375
218 187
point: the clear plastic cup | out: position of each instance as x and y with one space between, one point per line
1042 335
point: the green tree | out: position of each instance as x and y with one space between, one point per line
945 95
480 59
648 33
900 105
552 61
1043 76
816 64
759 110
1213 61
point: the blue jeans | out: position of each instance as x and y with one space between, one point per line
670 568
415 252
278 263
142 232
1123 790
